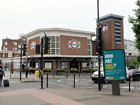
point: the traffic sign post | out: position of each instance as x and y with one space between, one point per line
114 68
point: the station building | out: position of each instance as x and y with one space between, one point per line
71 48
68 49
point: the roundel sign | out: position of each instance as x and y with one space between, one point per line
33 44
74 44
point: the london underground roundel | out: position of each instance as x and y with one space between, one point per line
74 44
33 44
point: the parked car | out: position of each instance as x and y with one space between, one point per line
95 76
134 74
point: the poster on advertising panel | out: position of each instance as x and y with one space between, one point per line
114 65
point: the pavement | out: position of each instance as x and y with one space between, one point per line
65 96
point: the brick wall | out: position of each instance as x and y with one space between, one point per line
37 40
65 50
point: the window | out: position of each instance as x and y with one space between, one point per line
88 47
15 43
84 64
16 65
5 49
54 45
64 64
6 43
130 47
15 49
9 54
48 65
125 46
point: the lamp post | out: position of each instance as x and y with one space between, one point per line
11 67
99 54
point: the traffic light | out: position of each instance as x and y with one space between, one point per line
47 45
99 40
24 49
37 49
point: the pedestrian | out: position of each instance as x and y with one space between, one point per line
2 73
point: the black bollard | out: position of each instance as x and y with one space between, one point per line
129 84
74 80
47 81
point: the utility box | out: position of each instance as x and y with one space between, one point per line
36 74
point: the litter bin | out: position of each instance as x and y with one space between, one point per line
36 74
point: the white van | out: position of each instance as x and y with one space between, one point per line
95 76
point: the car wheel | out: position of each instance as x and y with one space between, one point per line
105 82
95 81
123 81
131 79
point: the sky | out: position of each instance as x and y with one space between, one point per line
23 16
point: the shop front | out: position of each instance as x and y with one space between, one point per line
68 64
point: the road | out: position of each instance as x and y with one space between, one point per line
82 81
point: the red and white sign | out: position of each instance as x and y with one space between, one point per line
74 44
33 44
105 28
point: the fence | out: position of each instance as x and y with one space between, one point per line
83 80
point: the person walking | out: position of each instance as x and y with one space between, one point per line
2 73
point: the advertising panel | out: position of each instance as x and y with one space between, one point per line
114 65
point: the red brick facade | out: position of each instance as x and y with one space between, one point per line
65 50
10 44
37 40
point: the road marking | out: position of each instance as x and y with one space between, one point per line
58 80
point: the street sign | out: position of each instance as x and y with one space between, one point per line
114 65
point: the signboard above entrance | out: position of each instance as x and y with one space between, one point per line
74 44
114 65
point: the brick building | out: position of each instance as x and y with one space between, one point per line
68 48
71 48
113 35
10 50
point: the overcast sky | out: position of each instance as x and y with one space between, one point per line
23 16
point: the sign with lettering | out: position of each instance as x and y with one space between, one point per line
33 44
114 65
74 44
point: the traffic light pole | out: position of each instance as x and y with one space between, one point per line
20 61
99 49
41 63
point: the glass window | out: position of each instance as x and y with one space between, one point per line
54 45
6 43
16 49
57 51
84 64
9 54
88 47
53 51
88 41
16 65
48 65
64 64
125 46
5 49
130 47
15 43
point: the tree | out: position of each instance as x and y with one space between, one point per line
135 21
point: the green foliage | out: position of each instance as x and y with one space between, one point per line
60 69
135 21
85 69
33 68
47 69
73 69
95 69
